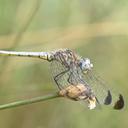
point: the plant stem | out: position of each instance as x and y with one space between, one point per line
29 101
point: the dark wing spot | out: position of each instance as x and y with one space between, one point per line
108 99
120 103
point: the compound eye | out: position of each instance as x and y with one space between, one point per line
85 64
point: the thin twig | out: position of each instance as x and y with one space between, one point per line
29 101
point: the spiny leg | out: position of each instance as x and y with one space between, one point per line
70 78
57 77
75 75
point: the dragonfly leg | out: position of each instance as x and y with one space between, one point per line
75 78
57 77
70 78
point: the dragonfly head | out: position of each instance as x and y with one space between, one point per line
85 64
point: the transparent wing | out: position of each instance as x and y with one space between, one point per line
104 94
65 76
100 91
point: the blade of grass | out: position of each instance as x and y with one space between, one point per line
29 101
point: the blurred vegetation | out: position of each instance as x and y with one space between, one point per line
95 29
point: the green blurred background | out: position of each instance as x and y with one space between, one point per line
94 28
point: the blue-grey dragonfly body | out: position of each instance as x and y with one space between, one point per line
75 78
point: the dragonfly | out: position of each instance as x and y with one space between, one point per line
75 78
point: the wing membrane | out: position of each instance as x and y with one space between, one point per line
65 76
100 91
103 92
